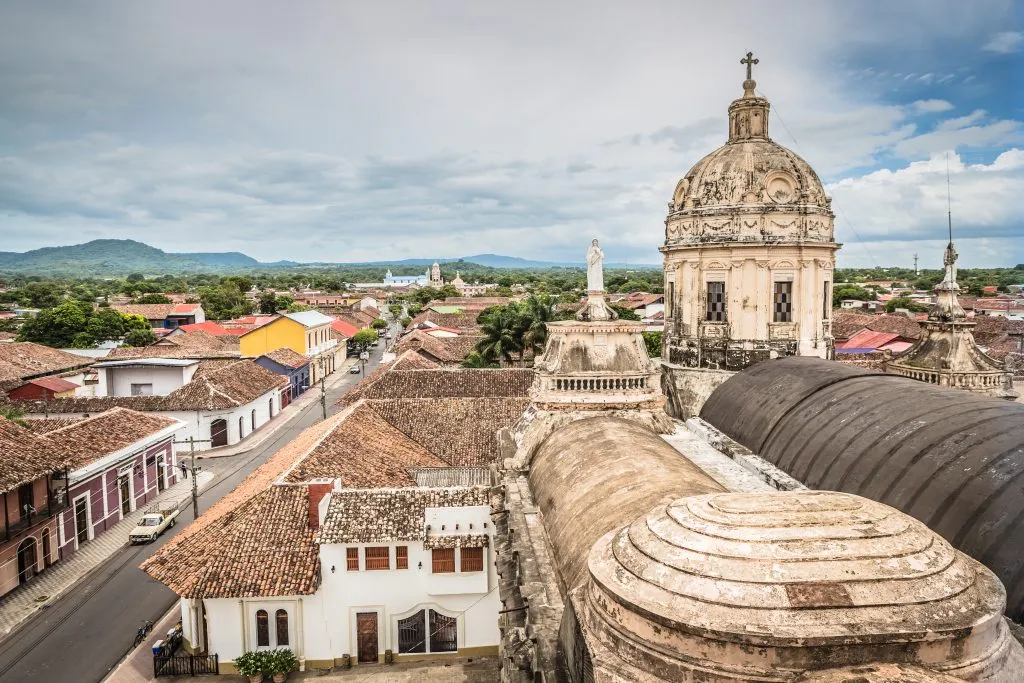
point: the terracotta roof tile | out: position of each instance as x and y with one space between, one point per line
90 439
388 382
441 349
46 425
287 357
24 456
389 515
54 384
197 344
22 360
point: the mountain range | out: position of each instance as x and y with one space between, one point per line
110 257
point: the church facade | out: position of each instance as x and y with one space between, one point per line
749 256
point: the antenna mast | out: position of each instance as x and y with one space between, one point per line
949 202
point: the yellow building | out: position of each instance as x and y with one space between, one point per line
305 332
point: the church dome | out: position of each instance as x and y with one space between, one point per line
762 586
751 189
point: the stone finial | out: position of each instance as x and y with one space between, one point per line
750 84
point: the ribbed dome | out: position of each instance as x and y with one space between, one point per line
752 172
768 583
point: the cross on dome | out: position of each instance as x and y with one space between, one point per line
750 83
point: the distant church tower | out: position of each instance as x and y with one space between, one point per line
749 256
435 275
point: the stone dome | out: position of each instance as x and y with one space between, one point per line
750 189
767 586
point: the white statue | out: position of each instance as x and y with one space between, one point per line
595 271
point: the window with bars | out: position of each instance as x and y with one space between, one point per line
352 559
281 622
443 560
472 559
783 300
378 558
402 557
715 311
262 628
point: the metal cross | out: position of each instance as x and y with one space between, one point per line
750 62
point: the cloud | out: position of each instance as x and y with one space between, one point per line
932 106
888 212
1005 42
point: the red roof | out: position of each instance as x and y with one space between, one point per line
868 339
185 308
347 329
54 384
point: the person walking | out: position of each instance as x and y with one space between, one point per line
184 469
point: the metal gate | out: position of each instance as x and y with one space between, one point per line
184 665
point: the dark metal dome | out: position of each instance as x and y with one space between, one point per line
952 459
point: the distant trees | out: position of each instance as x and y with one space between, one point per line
74 324
152 299
406 321
514 329
652 340
395 310
227 299
364 338
851 292
448 292
379 324
904 302
267 302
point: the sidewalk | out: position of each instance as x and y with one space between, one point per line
268 430
22 602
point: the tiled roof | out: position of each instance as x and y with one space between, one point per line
209 327
452 476
91 439
465 321
460 431
845 323
472 303
147 311
197 344
287 357
390 515
22 360
255 541
24 456
226 387
410 360
54 384
364 451
441 349
44 426
344 327
388 382
898 324
868 339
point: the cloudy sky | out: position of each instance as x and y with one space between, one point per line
348 131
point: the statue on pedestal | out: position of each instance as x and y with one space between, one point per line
595 271
595 309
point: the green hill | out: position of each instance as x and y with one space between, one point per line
116 257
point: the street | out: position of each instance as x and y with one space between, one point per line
82 636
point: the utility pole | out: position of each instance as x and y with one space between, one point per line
916 271
321 362
192 441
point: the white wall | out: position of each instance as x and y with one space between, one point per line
118 381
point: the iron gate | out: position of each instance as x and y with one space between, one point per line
184 665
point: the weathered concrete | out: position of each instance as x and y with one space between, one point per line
686 389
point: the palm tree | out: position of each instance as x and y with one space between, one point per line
475 360
537 314
501 335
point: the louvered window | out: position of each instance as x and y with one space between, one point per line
352 559
472 559
716 302
402 557
443 560
378 558
783 302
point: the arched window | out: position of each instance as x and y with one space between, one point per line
241 427
254 419
270 408
281 620
262 628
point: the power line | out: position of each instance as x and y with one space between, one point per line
838 209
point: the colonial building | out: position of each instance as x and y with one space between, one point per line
307 333
165 316
749 254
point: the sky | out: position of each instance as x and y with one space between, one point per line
343 131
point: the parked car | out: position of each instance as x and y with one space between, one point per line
152 525
354 370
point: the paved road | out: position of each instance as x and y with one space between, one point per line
82 636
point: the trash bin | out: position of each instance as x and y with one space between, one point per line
158 647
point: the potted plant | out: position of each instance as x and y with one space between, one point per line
281 663
252 664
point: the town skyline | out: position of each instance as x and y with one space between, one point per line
362 137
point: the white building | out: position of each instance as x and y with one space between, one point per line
144 376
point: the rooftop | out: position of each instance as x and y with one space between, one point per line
148 362
25 456
309 318
191 345
287 357
90 439
20 361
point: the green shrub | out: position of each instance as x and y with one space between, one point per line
253 663
282 661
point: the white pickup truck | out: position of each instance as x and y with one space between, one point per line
152 524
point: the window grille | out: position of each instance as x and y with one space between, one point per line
378 558
262 628
281 621
443 560
783 302
352 559
472 559
716 302
402 557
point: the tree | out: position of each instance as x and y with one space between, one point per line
225 301
40 295
59 326
851 292
267 302
364 338
152 299
475 360
905 302
298 308
139 338
406 321
379 324
135 277
652 340
502 336
625 313
396 310
536 314
448 292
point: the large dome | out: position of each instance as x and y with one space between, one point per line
750 189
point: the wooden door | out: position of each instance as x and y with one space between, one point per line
126 494
82 520
366 635
219 432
